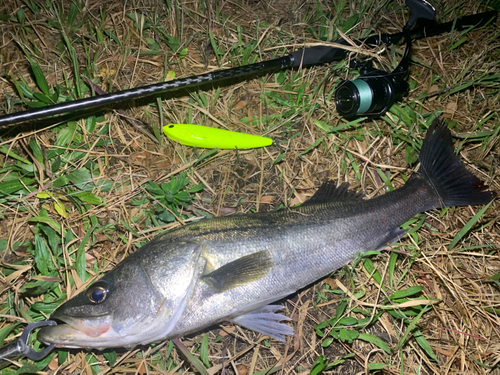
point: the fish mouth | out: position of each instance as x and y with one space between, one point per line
74 332
60 335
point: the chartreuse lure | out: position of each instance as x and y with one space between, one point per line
207 137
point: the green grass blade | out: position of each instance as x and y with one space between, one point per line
204 351
81 263
407 292
468 226
194 361
375 341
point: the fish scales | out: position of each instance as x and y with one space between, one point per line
309 242
232 268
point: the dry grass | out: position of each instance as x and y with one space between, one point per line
462 324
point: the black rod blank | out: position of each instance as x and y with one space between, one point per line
144 91
305 57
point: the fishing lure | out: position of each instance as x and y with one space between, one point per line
207 137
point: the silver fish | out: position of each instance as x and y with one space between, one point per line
232 268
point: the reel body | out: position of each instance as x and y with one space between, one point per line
374 91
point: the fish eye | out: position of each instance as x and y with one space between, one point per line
97 292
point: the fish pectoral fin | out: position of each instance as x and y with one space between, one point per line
391 237
239 272
330 192
266 321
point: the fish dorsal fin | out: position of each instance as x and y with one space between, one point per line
330 192
239 272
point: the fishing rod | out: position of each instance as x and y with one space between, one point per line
370 94
351 98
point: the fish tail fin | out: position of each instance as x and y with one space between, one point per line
453 183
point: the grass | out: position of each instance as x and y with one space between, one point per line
78 196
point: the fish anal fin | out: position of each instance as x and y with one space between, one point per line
391 237
330 192
239 272
266 321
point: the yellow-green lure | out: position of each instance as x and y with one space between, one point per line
206 137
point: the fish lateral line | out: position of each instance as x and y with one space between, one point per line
276 254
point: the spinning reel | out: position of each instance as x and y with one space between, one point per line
374 91
370 95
